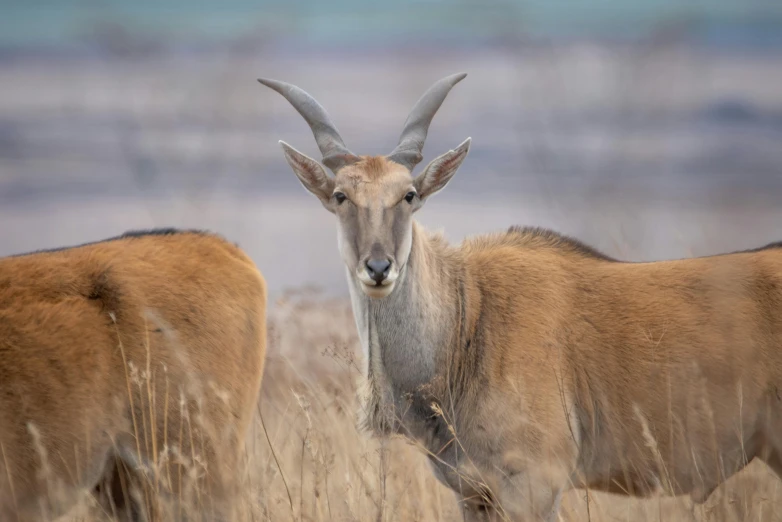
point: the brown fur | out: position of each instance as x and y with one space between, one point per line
371 178
136 360
561 344
525 363
564 367
372 168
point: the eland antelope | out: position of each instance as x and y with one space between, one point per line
130 368
525 363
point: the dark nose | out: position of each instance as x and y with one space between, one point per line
378 269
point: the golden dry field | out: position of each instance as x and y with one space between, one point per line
647 152
308 461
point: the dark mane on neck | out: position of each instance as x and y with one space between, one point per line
538 236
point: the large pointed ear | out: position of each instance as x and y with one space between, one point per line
311 174
440 171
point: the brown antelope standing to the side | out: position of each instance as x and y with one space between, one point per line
130 367
526 363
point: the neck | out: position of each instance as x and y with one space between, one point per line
408 336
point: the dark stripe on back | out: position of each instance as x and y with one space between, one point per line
770 246
543 236
130 234
557 240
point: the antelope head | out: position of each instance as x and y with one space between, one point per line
373 197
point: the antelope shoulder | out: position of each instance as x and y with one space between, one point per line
112 350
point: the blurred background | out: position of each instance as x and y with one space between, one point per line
650 129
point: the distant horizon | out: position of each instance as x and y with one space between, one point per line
52 25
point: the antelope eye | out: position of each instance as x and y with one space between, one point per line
340 197
409 197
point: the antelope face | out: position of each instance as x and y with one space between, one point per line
374 200
373 197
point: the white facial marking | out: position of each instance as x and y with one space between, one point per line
371 288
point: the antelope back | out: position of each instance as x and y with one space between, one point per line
140 356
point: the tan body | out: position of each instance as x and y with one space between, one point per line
129 365
575 370
526 363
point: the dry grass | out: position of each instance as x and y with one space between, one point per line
307 461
